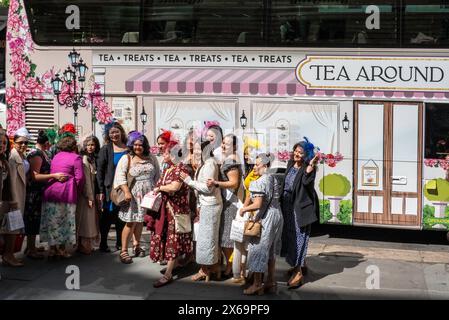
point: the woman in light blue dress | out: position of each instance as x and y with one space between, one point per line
262 251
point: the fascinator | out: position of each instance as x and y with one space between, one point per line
108 127
23 132
309 149
132 137
168 136
52 133
68 128
211 124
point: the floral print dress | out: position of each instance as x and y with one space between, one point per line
145 174
168 245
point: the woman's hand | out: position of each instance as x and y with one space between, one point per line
128 196
90 203
241 212
314 161
210 183
157 190
183 175
61 177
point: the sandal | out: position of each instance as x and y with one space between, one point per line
199 276
125 258
139 252
162 282
254 290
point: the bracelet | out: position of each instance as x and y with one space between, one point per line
217 185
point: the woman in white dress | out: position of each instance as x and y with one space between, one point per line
210 206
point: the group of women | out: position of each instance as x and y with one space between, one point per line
202 184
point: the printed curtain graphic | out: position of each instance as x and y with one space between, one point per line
26 84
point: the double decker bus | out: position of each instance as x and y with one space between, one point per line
366 81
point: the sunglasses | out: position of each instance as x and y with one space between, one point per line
20 143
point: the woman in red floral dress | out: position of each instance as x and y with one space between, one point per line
166 243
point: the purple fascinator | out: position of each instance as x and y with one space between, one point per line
132 137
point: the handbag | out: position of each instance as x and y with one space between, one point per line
183 223
253 228
117 195
152 201
237 230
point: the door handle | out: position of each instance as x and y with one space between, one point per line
399 180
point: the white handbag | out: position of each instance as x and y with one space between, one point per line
152 201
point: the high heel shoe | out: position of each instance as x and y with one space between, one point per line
11 263
199 276
296 281
253 291
270 287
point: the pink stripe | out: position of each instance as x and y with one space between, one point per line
263 85
439 95
244 85
226 85
282 88
301 89
289 77
398 94
418 95
208 85
138 83
165 75
173 83
190 85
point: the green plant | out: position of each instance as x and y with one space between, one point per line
429 219
441 193
335 185
345 214
325 211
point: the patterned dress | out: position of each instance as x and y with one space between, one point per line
144 174
33 201
230 199
167 244
265 248
295 239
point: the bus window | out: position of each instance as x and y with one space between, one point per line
320 23
203 23
103 21
437 131
426 23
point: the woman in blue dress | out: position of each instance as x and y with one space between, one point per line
265 196
300 208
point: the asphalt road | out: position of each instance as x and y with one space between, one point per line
344 263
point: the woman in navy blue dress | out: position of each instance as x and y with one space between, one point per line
300 208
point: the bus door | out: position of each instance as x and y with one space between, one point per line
388 163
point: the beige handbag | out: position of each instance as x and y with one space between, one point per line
183 223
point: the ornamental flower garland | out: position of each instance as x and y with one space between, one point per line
330 159
102 111
25 84
437 163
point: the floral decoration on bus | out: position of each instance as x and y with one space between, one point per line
330 159
25 84
437 163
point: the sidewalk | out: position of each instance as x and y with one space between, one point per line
335 272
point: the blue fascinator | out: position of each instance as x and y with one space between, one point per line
309 149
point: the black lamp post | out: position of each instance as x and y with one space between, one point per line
143 118
345 123
243 120
74 77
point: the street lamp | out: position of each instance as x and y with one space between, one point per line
243 120
143 118
74 77
345 123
